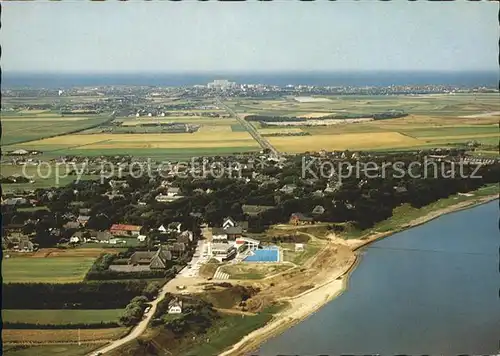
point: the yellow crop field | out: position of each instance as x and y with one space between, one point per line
219 128
284 130
177 140
315 115
355 141
27 111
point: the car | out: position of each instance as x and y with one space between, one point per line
209 278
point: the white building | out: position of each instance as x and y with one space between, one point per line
299 247
162 198
162 229
221 84
228 222
222 251
74 239
251 243
175 307
219 237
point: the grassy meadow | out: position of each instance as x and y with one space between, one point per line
28 125
61 316
254 270
49 265
45 270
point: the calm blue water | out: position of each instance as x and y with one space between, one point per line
432 290
298 78
263 255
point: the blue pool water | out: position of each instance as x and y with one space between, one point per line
264 255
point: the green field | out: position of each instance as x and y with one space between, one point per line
24 129
61 317
439 104
298 258
44 176
45 270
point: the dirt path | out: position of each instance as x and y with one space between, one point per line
340 254
139 328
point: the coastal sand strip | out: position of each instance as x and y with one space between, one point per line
312 300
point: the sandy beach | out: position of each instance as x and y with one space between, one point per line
310 301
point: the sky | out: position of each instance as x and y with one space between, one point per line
189 36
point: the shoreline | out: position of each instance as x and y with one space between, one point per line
307 303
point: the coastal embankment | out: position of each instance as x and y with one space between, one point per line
335 281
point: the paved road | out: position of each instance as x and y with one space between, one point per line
138 329
186 277
250 128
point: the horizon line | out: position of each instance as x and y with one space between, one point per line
236 72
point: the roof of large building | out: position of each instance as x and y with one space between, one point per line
155 259
222 247
125 227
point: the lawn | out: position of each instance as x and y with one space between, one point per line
21 269
208 269
61 317
300 257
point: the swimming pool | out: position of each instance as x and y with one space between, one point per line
264 255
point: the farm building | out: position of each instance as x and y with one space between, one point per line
19 152
125 230
155 259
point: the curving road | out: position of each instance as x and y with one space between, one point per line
139 328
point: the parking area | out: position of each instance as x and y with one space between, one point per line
199 258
